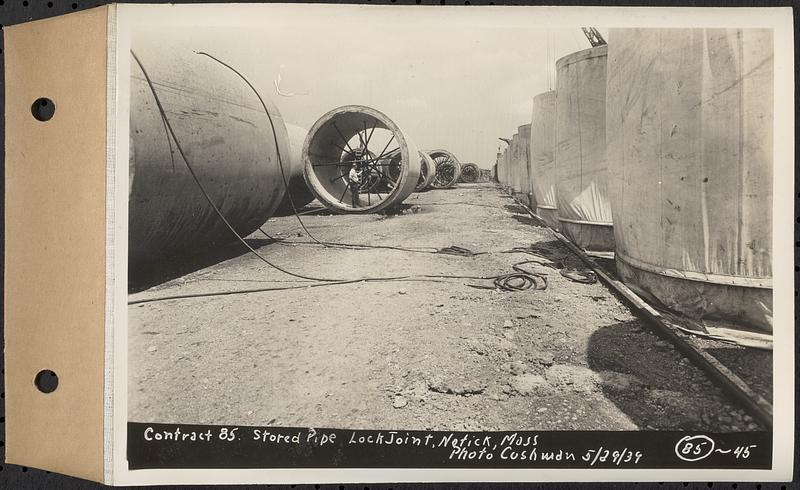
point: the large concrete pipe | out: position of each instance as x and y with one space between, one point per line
507 154
543 166
470 173
522 183
228 139
427 169
298 189
584 209
513 164
448 168
499 168
690 136
427 172
344 139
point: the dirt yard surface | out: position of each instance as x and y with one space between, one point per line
408 354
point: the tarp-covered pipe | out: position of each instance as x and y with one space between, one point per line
513 164
502 167
690 135
522 183
543 170
507 164
298 189
584 209
228 141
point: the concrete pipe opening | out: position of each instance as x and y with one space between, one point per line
427 169
448 169
427 172
425 176
470 173
365 140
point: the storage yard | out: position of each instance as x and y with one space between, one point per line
414 355
612 273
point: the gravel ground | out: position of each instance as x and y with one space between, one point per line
411 355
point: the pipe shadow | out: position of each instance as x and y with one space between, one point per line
655 386
520 214
158 269
754 366
515 208
527 220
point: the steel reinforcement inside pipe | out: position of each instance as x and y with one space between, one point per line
425 176
448 169
357 160
470 173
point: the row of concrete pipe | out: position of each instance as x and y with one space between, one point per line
226 156
658 147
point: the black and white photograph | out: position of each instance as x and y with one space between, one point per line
377 237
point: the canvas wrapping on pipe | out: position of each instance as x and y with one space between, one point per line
689 117
515 165
504 166
542 143
584 209
508 161
523 189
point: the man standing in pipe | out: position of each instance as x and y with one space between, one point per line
354 181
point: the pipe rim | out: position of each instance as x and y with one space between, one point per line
586 54
430 172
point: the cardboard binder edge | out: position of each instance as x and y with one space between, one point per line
55 233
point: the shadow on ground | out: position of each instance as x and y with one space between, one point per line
159 270
754 366
519 213
648 380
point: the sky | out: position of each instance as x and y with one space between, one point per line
450 78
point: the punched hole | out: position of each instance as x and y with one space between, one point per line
46 381
43 109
